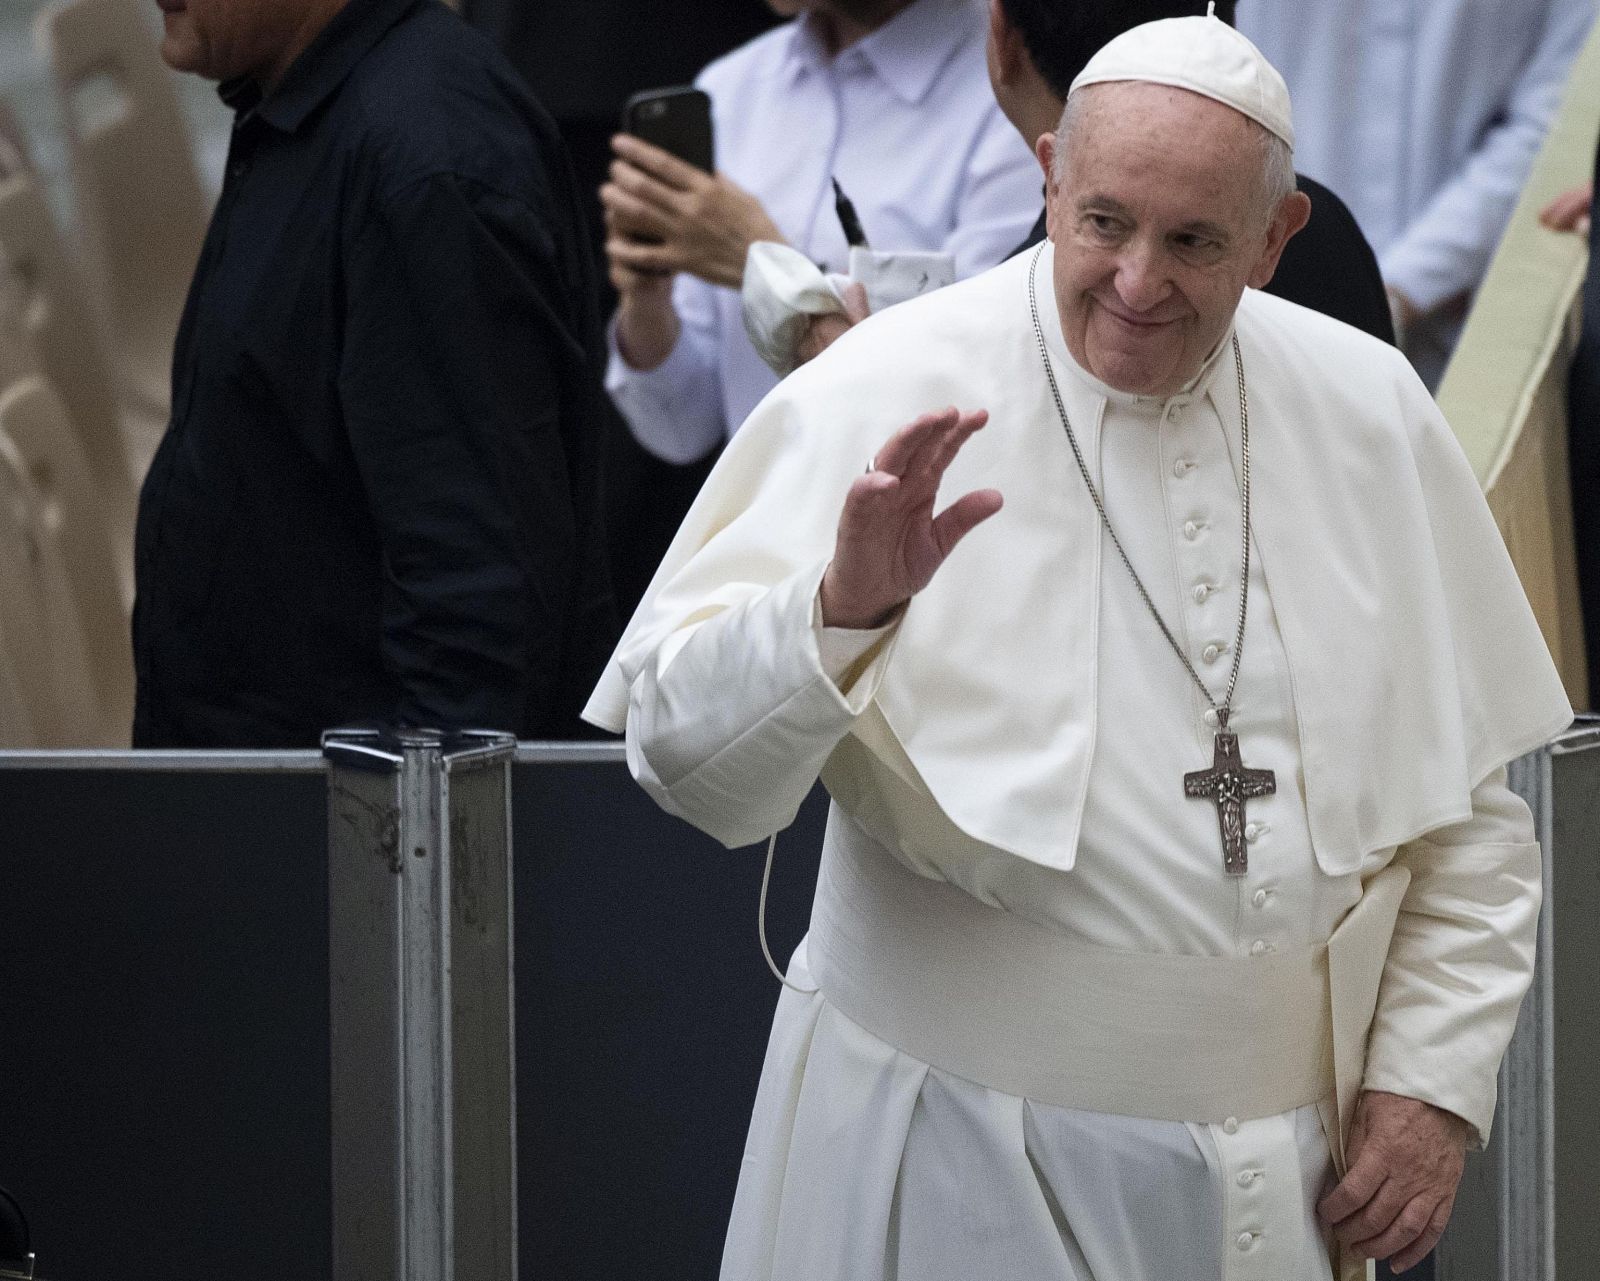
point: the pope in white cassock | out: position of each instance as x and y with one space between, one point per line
1174 912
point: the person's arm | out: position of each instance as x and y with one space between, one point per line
1461 960
1459 964
732 715
459 361
1446 249
674 408
732 719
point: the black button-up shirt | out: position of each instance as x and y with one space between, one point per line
378 497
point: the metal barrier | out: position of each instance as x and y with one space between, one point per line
419 957
1527 1207
258 1018
254 1023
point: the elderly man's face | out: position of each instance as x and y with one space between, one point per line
223 39
1158 222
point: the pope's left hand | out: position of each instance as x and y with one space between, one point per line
674 217
1405 1163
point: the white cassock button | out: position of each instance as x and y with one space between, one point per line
1258 948
1174 412
1259 898
1246 1240
1201 592
1247 1177
1182 468
1191 530
1211 653
1231 1125
1210 717
1252 832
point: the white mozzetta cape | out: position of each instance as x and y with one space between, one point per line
1415 662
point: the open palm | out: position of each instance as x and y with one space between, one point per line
890 543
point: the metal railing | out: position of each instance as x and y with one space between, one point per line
295 971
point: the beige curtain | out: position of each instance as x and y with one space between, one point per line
1505 392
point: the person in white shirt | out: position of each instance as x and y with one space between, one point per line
889 97
1425 117
1073 1006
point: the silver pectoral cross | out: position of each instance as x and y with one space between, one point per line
1228 785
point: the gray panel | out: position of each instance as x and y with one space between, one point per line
483 1079
1574 1030
364 1010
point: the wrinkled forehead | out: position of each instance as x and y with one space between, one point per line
1162 155
1166 133
1134 107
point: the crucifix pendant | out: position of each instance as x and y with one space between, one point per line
1228 785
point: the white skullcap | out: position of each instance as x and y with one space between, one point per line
1203 55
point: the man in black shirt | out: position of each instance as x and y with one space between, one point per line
378 497
1036 50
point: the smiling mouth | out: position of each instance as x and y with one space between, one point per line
1132 322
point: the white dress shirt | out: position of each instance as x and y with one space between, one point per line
1424 116
905 119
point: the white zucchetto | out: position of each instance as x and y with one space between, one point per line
1203 55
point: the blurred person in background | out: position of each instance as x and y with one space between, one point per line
1576 212
1425 115
1035 50
583 72
889 97
377 499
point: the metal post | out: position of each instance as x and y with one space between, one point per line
1526 1207
420 955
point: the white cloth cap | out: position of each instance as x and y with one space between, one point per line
1203 55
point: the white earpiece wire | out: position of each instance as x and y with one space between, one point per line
761 922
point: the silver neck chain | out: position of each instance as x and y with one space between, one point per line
1225 707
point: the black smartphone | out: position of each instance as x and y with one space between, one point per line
676 120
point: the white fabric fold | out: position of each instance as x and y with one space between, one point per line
783 290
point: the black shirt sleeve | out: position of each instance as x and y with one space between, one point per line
455 368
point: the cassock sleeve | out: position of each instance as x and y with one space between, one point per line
1461 959
731 719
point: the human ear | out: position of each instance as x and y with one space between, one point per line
1290 219
1045 150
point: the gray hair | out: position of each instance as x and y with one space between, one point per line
1278 180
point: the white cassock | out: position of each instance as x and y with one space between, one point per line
1046 1037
